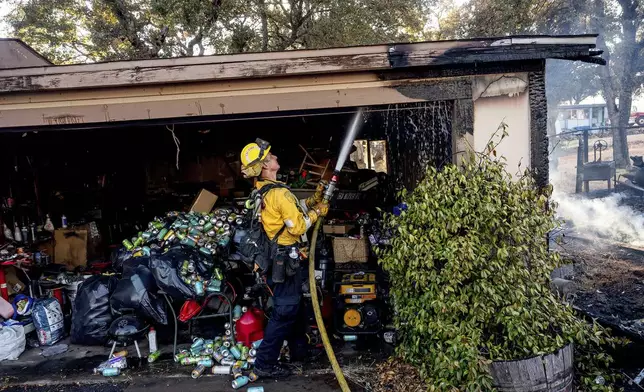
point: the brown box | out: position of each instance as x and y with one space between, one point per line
71 247
346 250
204 202
337 229
14 285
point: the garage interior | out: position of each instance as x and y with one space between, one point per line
118 178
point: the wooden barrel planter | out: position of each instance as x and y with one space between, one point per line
546 373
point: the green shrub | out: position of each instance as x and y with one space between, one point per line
470 271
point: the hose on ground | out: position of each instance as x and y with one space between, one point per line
318 313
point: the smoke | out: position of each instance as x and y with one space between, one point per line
606 218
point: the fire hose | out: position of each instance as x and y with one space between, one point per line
342 157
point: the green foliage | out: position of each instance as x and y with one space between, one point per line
470 271
68 31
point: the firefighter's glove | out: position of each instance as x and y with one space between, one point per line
318 196
321 209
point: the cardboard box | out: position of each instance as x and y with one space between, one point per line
71 247
337 229
204 202
346 250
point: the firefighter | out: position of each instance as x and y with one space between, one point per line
286 219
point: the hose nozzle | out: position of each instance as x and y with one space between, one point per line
331 187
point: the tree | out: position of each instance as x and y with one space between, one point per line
621 36
95 30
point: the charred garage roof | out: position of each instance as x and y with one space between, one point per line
300 62
198 89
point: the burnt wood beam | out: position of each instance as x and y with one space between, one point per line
538 127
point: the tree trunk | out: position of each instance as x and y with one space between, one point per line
630 55
264 18
620 144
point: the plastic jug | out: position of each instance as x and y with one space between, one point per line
6 310
250 327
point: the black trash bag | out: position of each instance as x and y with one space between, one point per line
130 265
137 293
120 256
92 315
165 268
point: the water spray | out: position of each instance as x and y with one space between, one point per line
344 153
342 158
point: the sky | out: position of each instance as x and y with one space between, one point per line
4 10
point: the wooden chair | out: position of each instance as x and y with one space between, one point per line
313 167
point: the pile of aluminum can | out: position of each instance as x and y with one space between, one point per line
209 233
222 355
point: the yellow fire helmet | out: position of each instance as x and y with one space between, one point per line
252 157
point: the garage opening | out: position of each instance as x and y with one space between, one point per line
110 193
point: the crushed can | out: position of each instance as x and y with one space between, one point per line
162 234
235 352
227 362
199 288
111 372
128 244
240 382
193 360
252 377
197 342
255 389
256 344
181 355
206 362
214 286
218 356
198 371
152 357
237 371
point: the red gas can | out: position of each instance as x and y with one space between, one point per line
250 327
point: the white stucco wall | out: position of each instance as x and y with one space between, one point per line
490 112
